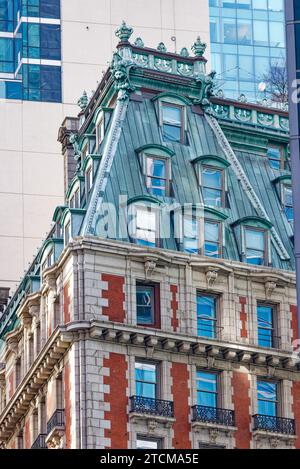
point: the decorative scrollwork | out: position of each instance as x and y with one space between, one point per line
120 72
147 405
274 424
213 415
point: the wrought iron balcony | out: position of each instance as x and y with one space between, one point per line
57 420
40 442
147 405
213 415
274 424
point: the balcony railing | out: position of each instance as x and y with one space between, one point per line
40 442
274 424
147 405
57 420
213 415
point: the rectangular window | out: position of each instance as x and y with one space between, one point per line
255 240
148 443
146 232
172 123
212 239
148 304
265 323
207 389
146 379
190 235
157 176
75 200
89 179
213 186
288 203
267 396
100 130
206 316
67 233
275 158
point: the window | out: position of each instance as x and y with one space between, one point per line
75 200
275 157
89 179
148 443
255 244
288 203
190 235
265 322
206 316
212 238
148 304
157 176
207 389
100 130
146 380
213 186
267 398
172 122
67 233
146 227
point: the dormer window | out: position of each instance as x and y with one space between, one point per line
100 131
213 187
212 238
287 200
143 227
75 199
89 179
172 122
157 175
67 233
255 246
275 156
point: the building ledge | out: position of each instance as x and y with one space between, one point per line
152 421
200 426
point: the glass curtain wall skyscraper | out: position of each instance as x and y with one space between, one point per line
30 50
247 40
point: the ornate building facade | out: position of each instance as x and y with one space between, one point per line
160 312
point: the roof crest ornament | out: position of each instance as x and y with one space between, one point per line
199 47
124 32
83 101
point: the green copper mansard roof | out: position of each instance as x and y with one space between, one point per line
235 135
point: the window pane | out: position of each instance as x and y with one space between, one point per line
171 133
267 398
190 227
255 239
147 444
288 196
156 168
145 227
207 389
171 115
211 231
265 326
145 304
206 316
212 178
146 380
212 197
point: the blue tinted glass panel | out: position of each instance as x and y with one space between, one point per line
267 398
50 8
50 42
145 304
207 389
190 242
265 326
146 380
206 316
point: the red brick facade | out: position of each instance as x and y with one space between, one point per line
293 310
181 394
243 317
117 399
115 296
27 436
241 401
174 308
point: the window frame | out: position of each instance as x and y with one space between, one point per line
220 242
158 388
282 160
217 394
266 245
286 206
156 304
278 396
67 230
89 178
74 201
216 321
167 179
200 225
223 185
275 324
181 107
100 131
149 209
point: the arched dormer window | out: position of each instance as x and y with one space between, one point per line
155 161
101 120
284 190
172 117
253 238
73 194
212 179
202 231
144 221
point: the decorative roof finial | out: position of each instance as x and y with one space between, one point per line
139 42
199 47
83 101
184 52
161 47
124 32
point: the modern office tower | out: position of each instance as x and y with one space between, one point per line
160 312
50 52
293 62
247 43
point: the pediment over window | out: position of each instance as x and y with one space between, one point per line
211 160
155 150
172 98
254 221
